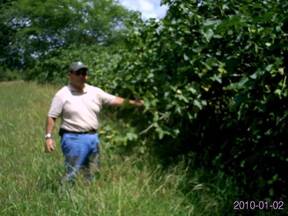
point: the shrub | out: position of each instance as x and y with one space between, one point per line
213 77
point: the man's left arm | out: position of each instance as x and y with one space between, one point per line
118 101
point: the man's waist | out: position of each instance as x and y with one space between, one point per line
62 131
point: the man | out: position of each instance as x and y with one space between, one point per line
78 104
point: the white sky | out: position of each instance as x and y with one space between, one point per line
148 8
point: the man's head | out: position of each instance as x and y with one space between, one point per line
76 66
78 74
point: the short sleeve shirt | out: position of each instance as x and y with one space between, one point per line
79 111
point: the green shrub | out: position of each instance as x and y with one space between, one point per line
8 75
213 77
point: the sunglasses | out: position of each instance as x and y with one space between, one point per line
81 72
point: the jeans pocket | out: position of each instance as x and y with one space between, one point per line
66 140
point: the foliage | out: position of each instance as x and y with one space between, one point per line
8 56
9 75
102 63
31 30
213 77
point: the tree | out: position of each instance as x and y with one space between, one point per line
41 27
8 55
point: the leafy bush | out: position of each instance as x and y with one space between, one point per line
54 68
8 74
213 77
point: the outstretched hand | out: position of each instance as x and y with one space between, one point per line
119 101
138 102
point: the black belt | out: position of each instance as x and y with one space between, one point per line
62 131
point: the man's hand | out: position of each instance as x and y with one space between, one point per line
118 101
138 102
49 145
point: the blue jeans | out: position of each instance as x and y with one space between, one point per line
81 152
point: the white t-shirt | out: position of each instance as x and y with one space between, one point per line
79 111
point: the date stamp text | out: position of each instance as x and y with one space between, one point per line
258 205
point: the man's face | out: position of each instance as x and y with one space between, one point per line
78 78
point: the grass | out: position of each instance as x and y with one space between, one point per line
130 185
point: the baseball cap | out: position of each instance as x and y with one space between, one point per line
75 66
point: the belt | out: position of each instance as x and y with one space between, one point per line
62 131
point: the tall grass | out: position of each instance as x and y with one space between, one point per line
29 178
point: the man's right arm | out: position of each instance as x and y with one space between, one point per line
54 111
49 141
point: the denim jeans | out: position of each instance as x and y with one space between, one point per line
81 152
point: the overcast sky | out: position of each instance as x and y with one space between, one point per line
148 8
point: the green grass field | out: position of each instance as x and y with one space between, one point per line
130 185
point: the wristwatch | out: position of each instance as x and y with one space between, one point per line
48 136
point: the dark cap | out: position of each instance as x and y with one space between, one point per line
75 66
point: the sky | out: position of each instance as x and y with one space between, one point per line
148 8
